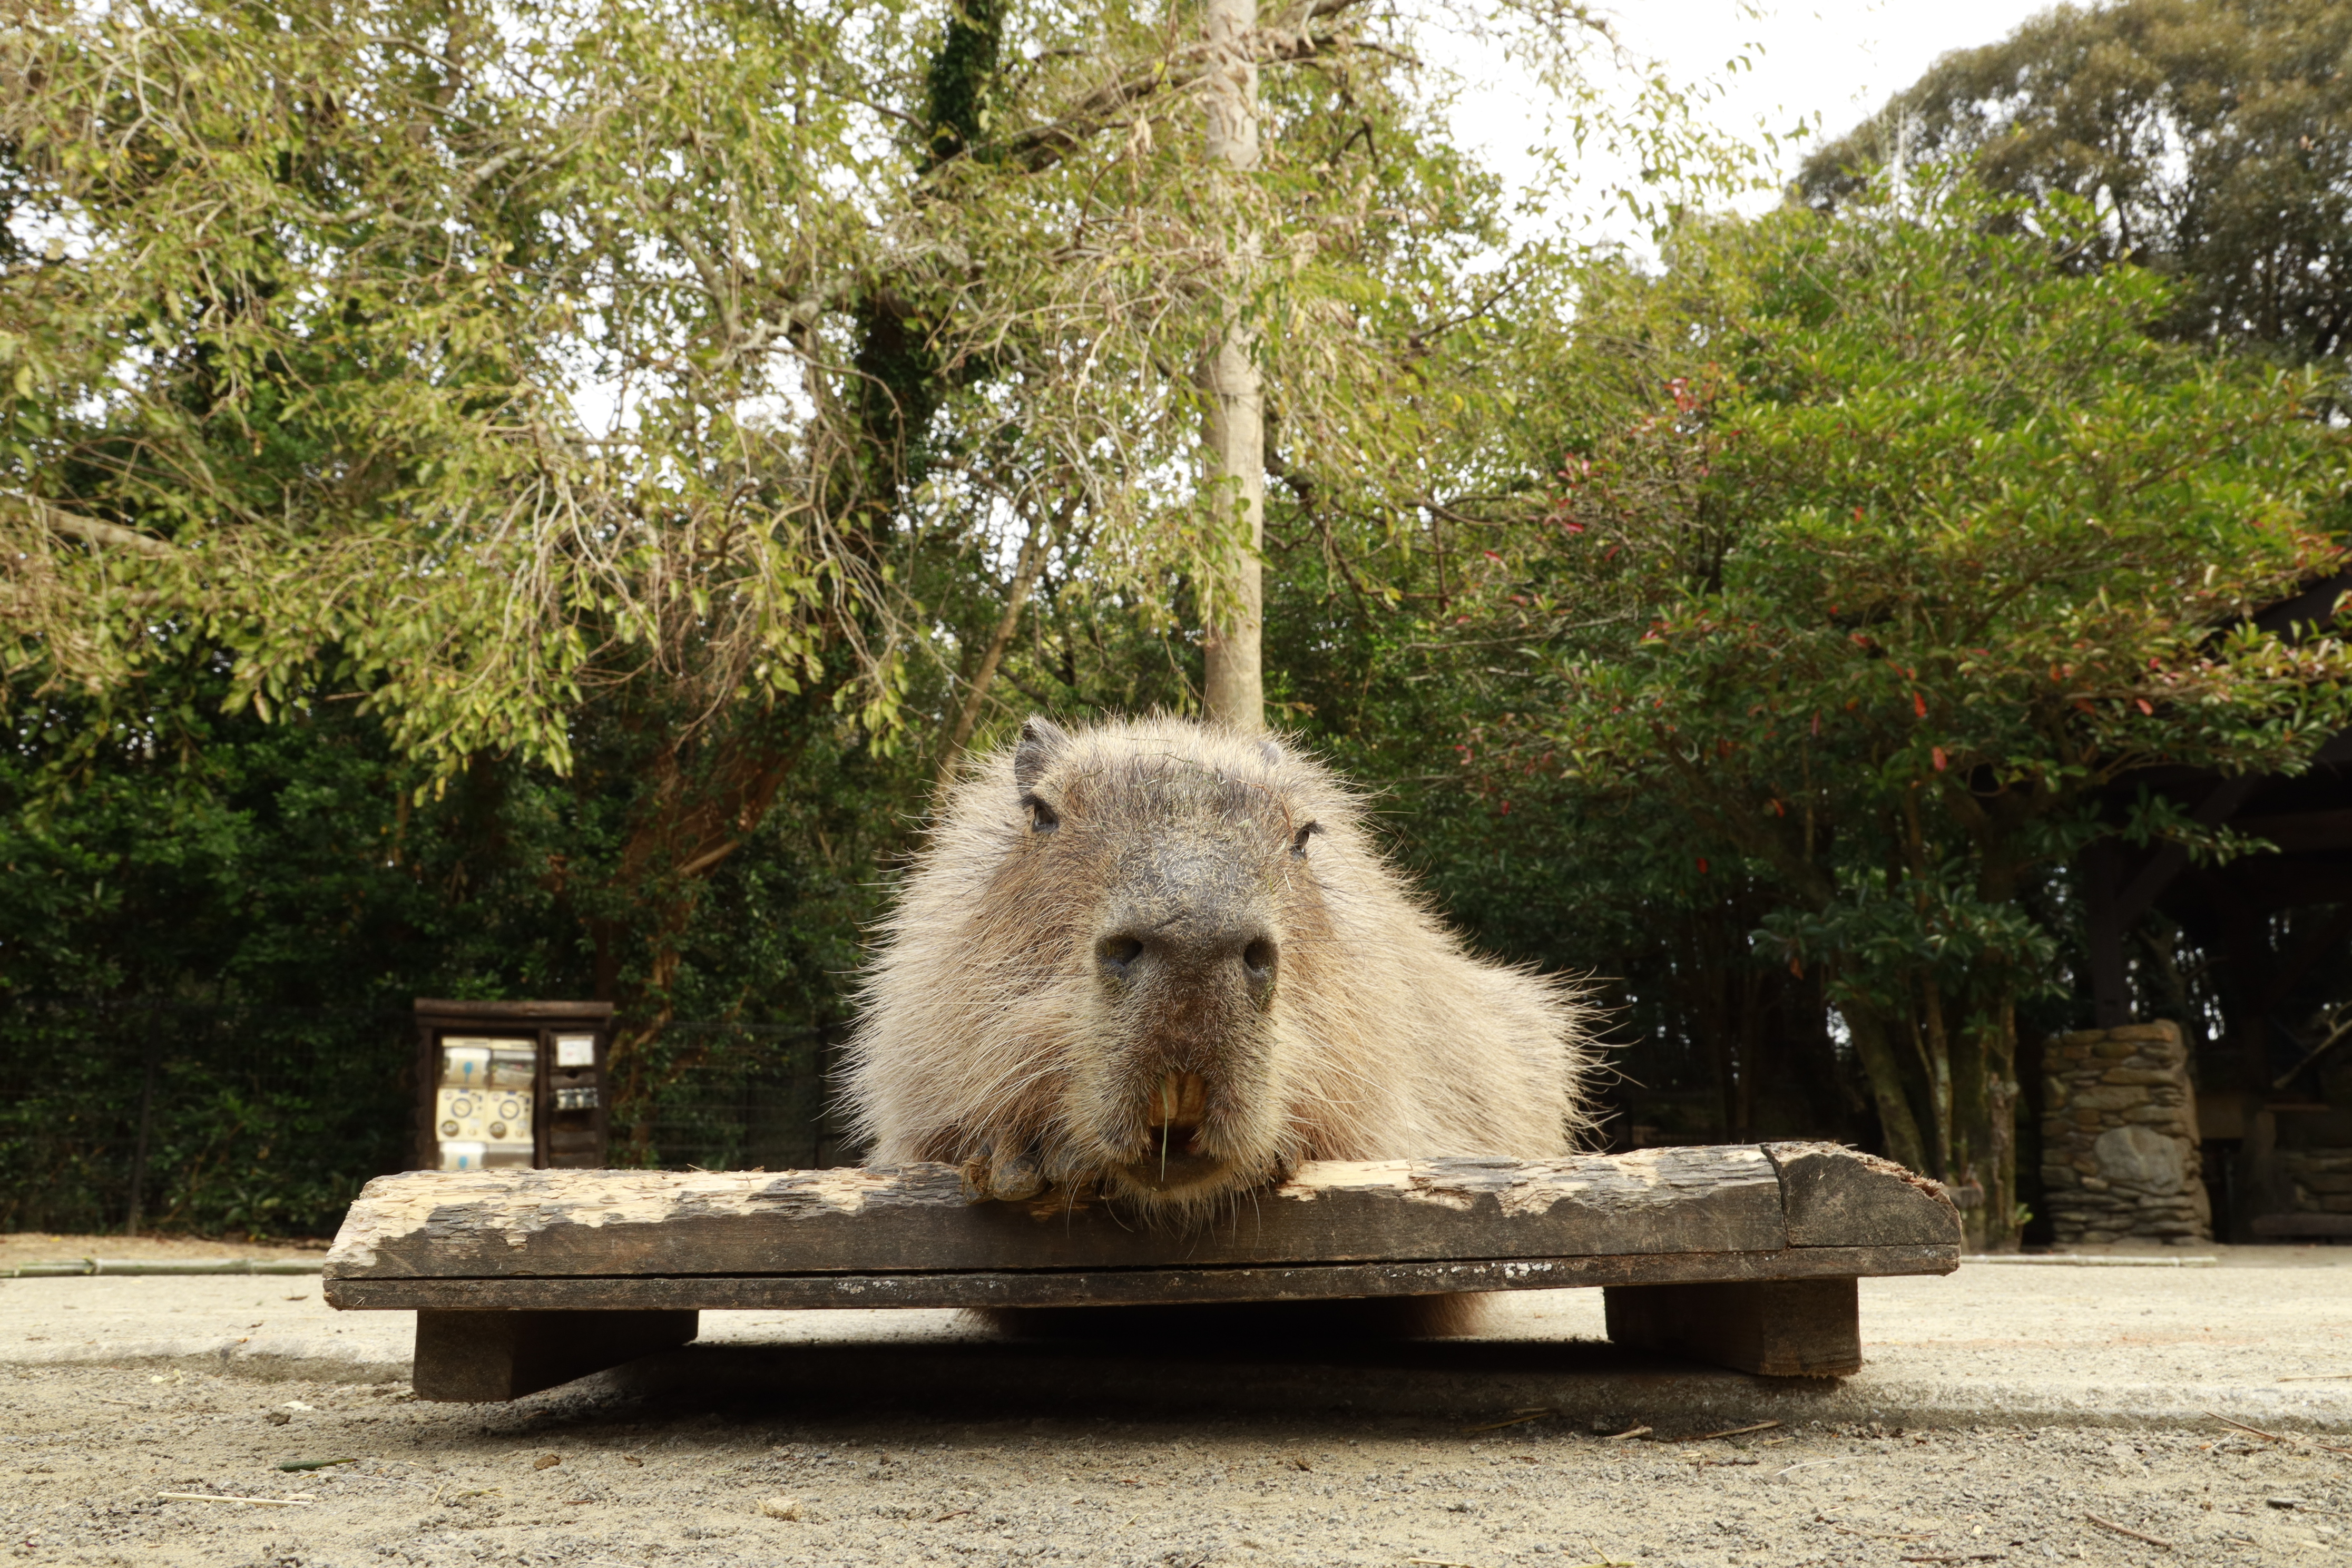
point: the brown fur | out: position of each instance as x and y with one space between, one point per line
1164 961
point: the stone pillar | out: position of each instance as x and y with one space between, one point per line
2119 1145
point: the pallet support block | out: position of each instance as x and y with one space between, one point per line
476 1356
1776 1328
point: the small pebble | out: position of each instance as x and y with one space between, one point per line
547 1461
781 1507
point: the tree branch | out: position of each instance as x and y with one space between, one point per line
91 530
1042 146
1025 573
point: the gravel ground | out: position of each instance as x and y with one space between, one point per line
2259 1339
910 1438
596 1474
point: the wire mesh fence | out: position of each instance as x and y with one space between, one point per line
218 1118
749 1096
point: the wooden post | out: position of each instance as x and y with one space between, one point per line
476 1356
135 1213
2103 925
2259 1186
1775 1327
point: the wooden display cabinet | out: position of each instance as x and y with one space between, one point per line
511 1084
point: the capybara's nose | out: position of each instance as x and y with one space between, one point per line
1191 952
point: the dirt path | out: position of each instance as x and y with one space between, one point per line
595 1475
2263 1339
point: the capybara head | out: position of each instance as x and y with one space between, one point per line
1188 910
1161 959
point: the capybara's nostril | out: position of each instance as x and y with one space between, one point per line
1117 952
1258 959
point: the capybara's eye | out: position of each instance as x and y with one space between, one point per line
1299 839
1119 952
1042 819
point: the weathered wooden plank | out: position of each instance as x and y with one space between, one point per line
494 1223
477 1356
1151 1287
1834 1196
1777 1328
1743 1255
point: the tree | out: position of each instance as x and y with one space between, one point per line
1916 544
2215 136
646 392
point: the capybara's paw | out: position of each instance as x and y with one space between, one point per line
1004 1174
1013 1176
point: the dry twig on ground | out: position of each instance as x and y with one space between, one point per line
2126 1530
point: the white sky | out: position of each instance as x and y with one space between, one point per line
1828 63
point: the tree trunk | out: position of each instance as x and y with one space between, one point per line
1025 573
700 799
1935 1059
1234 684
1986 1130
1967 1167
1897 1126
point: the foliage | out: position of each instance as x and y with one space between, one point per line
2215 135
290 379
256 922
528 500
647 388
1915 544
324 299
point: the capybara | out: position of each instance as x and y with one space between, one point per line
1163 960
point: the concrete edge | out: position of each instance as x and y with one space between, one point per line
267 1364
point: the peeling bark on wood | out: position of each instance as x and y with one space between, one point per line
923 1218
1836 1198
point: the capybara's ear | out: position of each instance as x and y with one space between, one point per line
1271 752
1041 740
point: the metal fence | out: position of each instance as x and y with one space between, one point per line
750 1096
221 1118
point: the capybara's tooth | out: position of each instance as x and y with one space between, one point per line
1193 1104
1164 1101
1013 1177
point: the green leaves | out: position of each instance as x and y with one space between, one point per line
2216 132
346 313
1961 528
1878 548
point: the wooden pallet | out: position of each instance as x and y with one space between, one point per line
1743 1255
